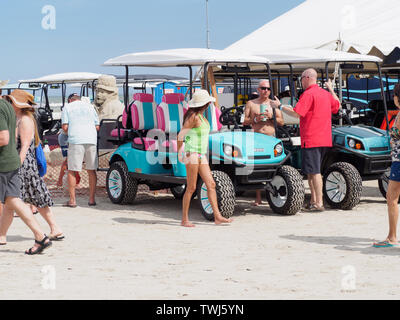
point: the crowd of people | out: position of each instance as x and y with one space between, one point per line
21 186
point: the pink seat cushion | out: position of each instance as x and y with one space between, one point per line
149 144
122 133
173 98
143 97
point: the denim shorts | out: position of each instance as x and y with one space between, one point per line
395 171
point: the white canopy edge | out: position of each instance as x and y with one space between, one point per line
181 57
69 77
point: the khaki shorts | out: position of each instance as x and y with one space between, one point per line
77 153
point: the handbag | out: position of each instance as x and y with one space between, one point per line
41 160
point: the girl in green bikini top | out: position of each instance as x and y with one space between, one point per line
197 138
195 133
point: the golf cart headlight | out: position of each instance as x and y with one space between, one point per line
278 150
232 152
355 144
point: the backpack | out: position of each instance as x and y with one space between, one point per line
41 160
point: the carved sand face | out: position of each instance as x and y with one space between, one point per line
103 95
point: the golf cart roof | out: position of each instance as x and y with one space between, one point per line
318 56
182 57
69 77
149 77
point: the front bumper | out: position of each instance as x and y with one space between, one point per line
256 173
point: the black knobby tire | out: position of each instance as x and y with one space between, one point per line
179 192
383 183
225 196
127 187
349 183
290 197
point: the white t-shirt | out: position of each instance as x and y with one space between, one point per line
82 120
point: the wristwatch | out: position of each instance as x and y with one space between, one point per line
255 119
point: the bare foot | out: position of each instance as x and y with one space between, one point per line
221 219
3 241
257 203
187 224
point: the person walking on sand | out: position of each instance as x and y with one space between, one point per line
33 188
393 191
192 150
80 121
259 114
314 108
9 178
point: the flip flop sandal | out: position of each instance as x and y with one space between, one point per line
315 208
384 244
42 245
57 237
69 205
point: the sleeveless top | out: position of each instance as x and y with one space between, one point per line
197 138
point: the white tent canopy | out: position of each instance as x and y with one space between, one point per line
360 26
180 57
69 77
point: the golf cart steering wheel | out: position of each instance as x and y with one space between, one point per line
231 116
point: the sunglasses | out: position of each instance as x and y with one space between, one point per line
265 88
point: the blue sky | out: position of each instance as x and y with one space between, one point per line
88 32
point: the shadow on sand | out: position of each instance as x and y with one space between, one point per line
362 245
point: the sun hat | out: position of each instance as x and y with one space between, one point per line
3 83
107 82
22 99
200 98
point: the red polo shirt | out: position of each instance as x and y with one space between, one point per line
315 108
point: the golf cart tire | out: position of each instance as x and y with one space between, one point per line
225 195
295 192
129 185
353 185
383 183
178 191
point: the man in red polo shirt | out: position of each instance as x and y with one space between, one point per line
315 109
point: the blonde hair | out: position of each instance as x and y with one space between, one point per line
30 112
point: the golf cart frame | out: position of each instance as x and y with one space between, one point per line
358 153
284 186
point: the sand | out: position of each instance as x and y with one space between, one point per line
140 252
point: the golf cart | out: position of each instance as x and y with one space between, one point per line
239 160
359 152
50 105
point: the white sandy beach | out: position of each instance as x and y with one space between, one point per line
141 252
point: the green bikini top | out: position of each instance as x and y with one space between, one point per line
197 138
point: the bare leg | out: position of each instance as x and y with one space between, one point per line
6 220
71 187
312 189
205 173
192 169
92 185
258 198
392 197
47 215
316 191
25 213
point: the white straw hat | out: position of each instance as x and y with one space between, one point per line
200 98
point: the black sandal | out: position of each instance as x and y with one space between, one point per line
42 245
